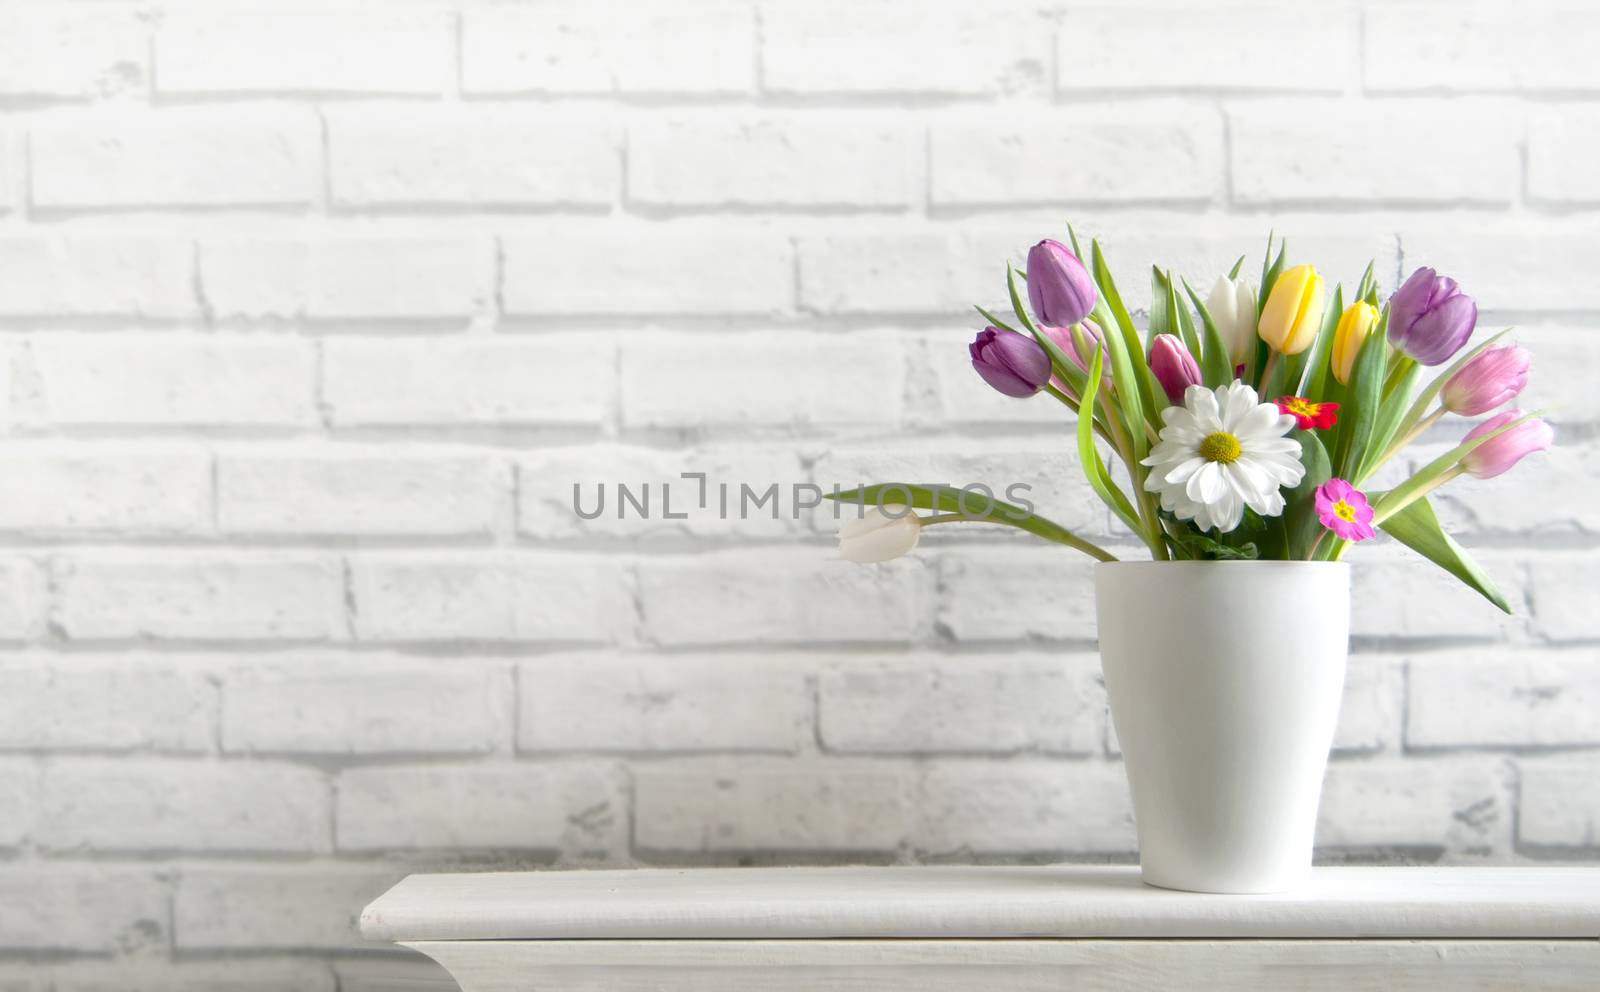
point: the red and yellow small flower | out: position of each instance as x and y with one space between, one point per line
1308 415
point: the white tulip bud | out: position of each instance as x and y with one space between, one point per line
1232 305
877 536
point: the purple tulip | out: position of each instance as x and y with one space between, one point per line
1011 363
1173 366
1492 378
1059 287
1497 455
1430 318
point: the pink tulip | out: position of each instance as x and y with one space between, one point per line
1494 457
1093 336
1494 377
1173 366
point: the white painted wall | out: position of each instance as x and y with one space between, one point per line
312 316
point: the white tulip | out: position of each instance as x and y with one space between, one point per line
1232 306
879 537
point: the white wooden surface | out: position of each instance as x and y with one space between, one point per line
944 929
980 902
1018 965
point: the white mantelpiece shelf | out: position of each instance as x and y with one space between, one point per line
1021 929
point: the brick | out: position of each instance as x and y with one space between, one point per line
340 490
1130 47
93 908
346 277
1558 349
751 380
18 795
120 805
449 596
777 597
1026 808
185 157
71 54
1541 47
548 505
468 381
1500 506
469 158
279 908
715 806
552 808
651 272
94 275
1563 598
965 704
201 595
322 705
836 48
1558 803
1519 265
583 48
913 272
1412 598
252 974
1557 142
1015 593
1370 711
1015 470
21 598
1502 700
380 51
132 703
725 703
172 380
55 489
1456 808
998 163
1293 153
772 162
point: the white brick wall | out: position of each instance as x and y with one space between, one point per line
310 318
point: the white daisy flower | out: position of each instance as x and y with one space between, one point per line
1221 451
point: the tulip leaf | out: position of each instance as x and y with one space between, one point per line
982 509
1300 520
1215 365
1233 273
1315 379
1191 340
1270 273
996 321
1360 412
1161 318
1099 478
1368 284
1389 416
1145 389
1418 528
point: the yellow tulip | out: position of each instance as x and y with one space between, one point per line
1354 326
1293 314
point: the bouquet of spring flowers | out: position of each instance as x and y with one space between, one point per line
1249 422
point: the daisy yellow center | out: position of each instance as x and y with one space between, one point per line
1344 511
1220 446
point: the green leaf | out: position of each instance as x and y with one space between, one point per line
1360 412
952 500
1161 317
1210 549
1141 384
1388 424
1100 479
1368 283
1301 523
996 321
1315 380
1186 331
1215 367
1233 273
1418 528
1269 275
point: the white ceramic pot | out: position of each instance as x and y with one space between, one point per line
1225 680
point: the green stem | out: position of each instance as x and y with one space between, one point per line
1400 445
1388 511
